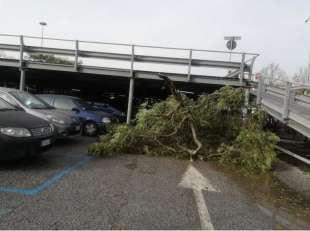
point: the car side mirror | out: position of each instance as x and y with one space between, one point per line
76 110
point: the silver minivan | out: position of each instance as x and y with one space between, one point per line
66 124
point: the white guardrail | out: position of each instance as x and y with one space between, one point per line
286 103
132 57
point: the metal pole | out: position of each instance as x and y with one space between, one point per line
21 64
246 97
242 68
189 65
260 91
251 68
21 51
130 99
76 62
131 85
309 69
246 102
42 30
22 80
287 99
132 61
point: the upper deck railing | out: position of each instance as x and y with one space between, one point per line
130 58
286 101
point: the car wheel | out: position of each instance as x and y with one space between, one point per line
90 129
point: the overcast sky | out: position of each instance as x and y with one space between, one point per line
273 28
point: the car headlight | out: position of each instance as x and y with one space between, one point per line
58 121
15 132
106 120
55 120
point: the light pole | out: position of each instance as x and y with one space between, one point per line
43 24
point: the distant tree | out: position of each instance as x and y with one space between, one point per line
303 77
274 73
47 58
303 74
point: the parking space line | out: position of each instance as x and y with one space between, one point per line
49 182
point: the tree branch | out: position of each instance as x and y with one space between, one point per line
176 94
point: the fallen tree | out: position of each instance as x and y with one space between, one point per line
211 127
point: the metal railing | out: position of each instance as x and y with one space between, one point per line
287 106
190 57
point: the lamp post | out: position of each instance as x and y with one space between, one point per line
43 24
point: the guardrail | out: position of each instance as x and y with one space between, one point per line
287 106
294 155
130 53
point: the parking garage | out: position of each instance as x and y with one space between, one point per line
107 89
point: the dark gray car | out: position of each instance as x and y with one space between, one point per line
22 134
65 123
93 120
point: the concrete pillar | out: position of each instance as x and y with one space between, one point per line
22 81
130 99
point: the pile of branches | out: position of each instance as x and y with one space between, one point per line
211 127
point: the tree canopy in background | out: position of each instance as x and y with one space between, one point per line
48 58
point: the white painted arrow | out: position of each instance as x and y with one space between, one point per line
193 179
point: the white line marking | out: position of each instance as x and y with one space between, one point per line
193 179
205 219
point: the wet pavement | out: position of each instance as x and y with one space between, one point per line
64 189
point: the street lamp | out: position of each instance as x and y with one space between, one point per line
43 24
307 20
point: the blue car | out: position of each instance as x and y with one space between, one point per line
116 114
94 121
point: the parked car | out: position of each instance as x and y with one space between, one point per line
94 121
22 134
65 124
116 114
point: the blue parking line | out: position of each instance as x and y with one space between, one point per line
49 182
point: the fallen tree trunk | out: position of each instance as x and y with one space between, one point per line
187 118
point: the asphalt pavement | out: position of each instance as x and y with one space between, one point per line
65 189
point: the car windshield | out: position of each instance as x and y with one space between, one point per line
30 101
4 106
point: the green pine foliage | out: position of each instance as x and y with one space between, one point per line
253 148
164 129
